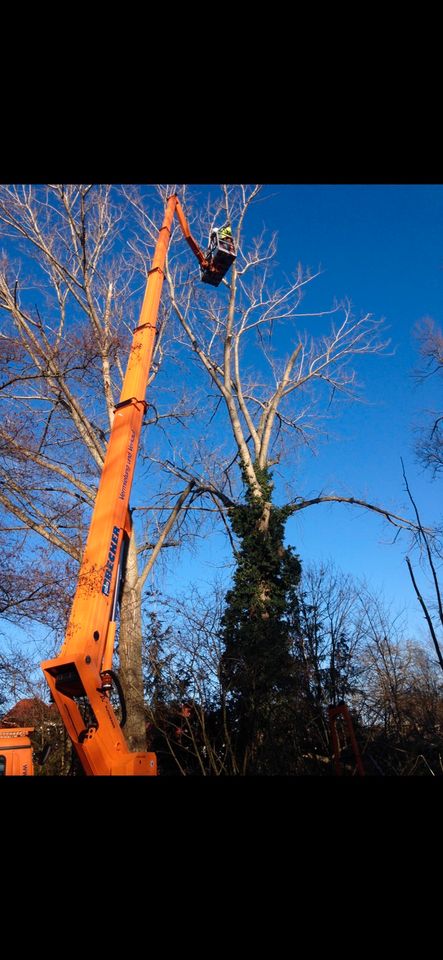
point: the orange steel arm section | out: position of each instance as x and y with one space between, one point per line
188 236
80 678
342 711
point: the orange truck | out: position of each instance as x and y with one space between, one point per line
16 758
81 677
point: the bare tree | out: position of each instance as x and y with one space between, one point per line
430 557
188 707
68 294
355 647
429 449
400 695
429 446
272 403
261 404
330 631
384 664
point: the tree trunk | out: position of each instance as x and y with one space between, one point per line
130 653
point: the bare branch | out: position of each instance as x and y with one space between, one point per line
394 519
166 529
422 534
426 613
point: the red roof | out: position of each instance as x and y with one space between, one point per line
28 711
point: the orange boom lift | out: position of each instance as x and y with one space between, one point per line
81 677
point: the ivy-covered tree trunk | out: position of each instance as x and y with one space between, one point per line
258 672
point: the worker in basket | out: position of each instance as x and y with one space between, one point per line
222 238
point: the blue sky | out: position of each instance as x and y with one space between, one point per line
381 246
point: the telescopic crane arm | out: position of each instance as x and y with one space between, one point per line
81 676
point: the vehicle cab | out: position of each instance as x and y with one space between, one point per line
16 752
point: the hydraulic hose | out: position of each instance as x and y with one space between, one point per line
121 696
